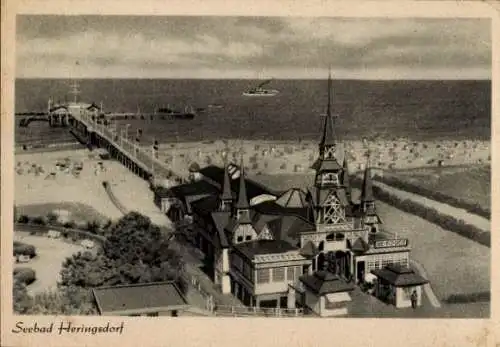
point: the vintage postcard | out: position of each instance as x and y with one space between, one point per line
234 174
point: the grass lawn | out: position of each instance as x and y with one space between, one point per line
472 184
47 264
78 212
454 264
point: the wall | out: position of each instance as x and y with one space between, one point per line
313 302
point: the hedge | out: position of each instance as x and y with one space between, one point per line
65 232
435 195
24 249
24 275
432 215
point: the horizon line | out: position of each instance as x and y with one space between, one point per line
255 79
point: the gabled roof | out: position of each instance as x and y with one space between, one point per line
272 208
321 165
345 179
127 299
360 245
325 282
294 198
194 188
399 276
242 202
309 249
206 205
220 220
289 228
253 188
226 186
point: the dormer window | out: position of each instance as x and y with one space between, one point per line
369 205
240 213
331 178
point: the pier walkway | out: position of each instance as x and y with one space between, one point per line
139 160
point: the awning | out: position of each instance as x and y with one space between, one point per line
338 297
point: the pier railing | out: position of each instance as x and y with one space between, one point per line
130 149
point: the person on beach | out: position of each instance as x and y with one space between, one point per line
413 299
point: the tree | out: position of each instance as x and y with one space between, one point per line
93 226
21 301
135 251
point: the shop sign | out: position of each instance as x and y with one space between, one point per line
391 243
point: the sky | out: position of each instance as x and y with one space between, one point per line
251 47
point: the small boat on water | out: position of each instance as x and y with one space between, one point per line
188 113
260 91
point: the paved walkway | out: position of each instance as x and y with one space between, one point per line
469 218
427 287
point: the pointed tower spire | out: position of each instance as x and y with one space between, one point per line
328 138
345 176
226 188
242 203
367 189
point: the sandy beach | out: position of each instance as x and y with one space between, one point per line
273 157
63 187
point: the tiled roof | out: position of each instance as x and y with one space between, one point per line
288 228
399 276
258 247
253 188
205 205
367 187
194 188
272 208
309 249
220 220
294 198
138 297
325 282
162 192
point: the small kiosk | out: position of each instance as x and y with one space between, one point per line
399 285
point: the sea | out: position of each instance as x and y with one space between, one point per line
417 110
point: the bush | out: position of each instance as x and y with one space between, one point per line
435 195
23 219
24 275
433 216
39 221
24 249
69 225
52 218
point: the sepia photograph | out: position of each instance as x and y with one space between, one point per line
250 166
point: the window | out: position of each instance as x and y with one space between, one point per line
152 314
279 274
331 178
248 238
263 276
290 274
239 239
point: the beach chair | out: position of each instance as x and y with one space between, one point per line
24 259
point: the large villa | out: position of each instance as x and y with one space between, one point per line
298 248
